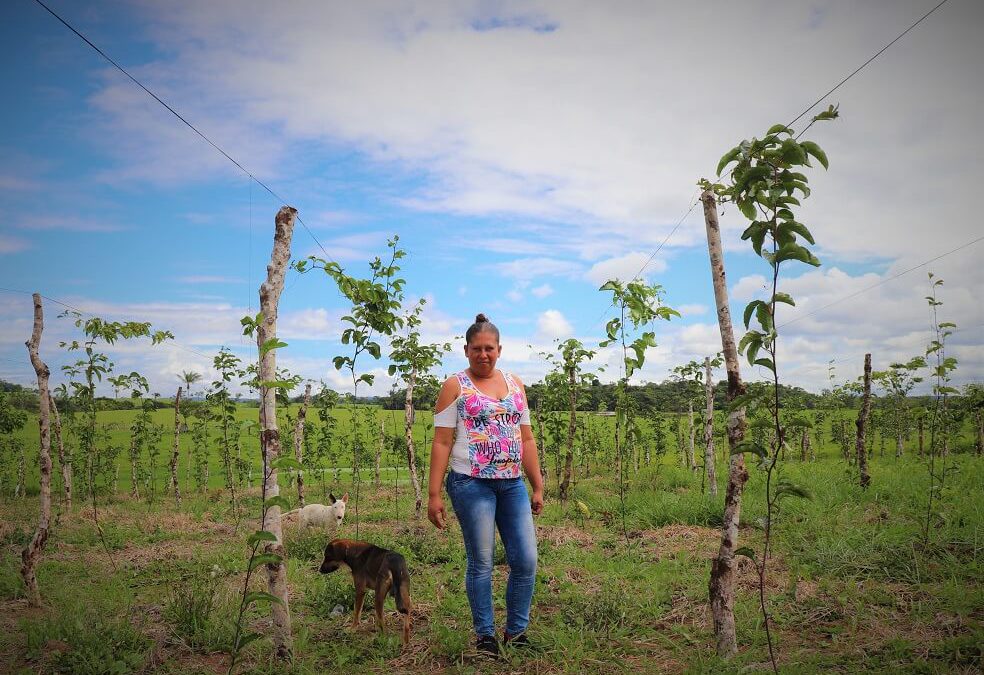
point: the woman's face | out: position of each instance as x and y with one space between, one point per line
482 353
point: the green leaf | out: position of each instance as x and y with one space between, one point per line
286 462
798 228
261 596
786 488
339 362
264 559
746 551
611 285
750 446
764 317
796 252
813 149
766 363
784 297
749 310
279 500
777 129
747 208
272 343
792 152
260 535
729 156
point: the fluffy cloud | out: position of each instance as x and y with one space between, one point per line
625 267
551 325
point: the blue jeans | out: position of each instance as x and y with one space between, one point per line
481 505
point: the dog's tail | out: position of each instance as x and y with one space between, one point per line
289 513
401 589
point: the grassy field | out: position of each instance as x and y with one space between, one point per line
852 586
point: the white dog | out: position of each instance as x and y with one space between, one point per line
319 515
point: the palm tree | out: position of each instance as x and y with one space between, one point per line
189 378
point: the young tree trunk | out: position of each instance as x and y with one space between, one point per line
862 424
921 436
133 467
20 490
805 445
979 437
174 455
408 419
692 430
270 291
898 443
32 552
722 580
709 430
571 431
539 441
299 443
66 467
379 447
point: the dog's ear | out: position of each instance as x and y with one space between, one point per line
331 498
345 497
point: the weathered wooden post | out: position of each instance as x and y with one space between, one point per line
709 429
408 419
862 423
66 466
32 552
299 442
722 581
266 331
174 455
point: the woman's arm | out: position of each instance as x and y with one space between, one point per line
440 455
531 459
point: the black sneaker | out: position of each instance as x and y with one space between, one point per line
518 641
487 644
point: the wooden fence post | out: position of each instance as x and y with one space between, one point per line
722 581
32 552
862 423
270 291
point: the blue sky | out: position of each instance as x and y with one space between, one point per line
524 152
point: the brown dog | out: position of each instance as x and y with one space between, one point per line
376 568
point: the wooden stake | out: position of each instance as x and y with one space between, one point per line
174 455
408 419
270 291
299 442
862 422
66 466
709 429
32 552
722 581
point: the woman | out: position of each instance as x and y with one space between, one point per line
482 426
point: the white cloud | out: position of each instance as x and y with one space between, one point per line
542 291
625 268
692 309
525 269
495 134
748 287
552 324
10 244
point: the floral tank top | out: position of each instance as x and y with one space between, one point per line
492 426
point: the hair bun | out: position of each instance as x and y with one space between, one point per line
481 318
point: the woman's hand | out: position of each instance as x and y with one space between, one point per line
435 511
536 502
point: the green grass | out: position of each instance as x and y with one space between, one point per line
853 587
